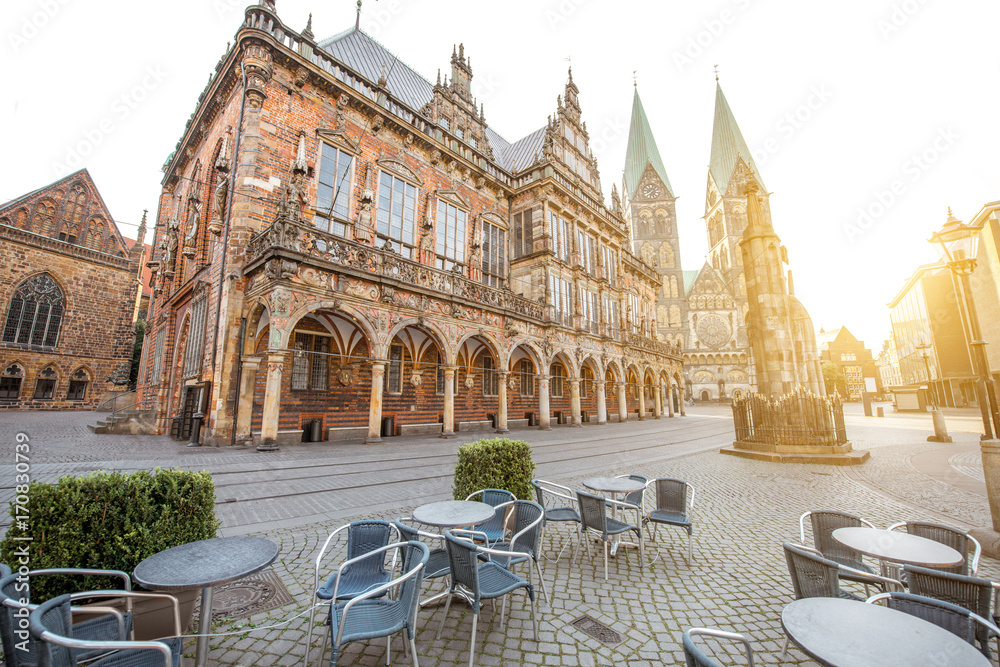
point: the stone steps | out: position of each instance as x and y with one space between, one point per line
849 458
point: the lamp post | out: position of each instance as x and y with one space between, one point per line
959 242
940 429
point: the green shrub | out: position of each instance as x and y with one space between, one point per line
108 520
495 463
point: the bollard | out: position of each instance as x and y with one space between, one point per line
880 411
196 421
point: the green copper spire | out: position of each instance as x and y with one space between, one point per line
641 151
728 145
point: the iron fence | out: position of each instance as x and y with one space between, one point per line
798 418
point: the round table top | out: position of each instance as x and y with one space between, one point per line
453 513
205 563
847 633
898 547
613 484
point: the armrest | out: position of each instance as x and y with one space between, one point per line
133 595
83 644
322 551
87 572
111 611
874 578
559 491
530 526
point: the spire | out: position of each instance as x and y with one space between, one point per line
728 145
308 32
140 234
357 21
641 151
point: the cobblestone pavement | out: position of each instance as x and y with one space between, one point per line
738 580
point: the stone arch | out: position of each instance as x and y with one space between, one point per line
492 344
531 349
360 319
566 359
257 314
614 367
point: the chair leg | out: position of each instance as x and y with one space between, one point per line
604 543
309 634
413 649
322 647
472 641
541 581
690 549
388 650
444 618
534 619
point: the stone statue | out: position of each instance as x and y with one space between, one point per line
170 251
426 242
363 228
191 238
221 196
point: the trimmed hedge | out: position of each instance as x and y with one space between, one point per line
108 520
494 463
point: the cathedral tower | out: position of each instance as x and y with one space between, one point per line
650 203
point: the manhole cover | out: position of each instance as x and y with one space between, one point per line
597 630
247 596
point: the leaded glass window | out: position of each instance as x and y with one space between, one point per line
451 225
334 190
494 255
397 212
35 312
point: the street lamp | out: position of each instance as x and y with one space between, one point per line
959 242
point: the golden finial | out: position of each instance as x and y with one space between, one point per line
716 71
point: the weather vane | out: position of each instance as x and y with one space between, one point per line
635 79
716 71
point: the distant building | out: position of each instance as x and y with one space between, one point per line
926 312
985 281
851 358
68 292
887 362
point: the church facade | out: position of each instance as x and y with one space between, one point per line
345 248
705 311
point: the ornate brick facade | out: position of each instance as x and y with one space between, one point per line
340 240
68 295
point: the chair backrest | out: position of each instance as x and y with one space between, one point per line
695 657
526 513
634 497
539 493
970 593
9 602
593 512
951 617
53 616
959 540
464 564
671 494
415 554
492 497
366 536
812 576
824 522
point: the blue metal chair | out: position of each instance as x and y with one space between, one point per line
824 522
971 593
634 497
476 580
953 618
371 615
114 625
362 571
564 513
593 512
57 644
672 508
493 528
437 560
694 657
526 541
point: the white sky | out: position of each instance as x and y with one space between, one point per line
888 80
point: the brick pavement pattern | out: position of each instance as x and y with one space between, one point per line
744 511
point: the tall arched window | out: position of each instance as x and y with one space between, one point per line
35 312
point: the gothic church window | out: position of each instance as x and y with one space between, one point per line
45 384
76 203
78 385
397 207
674 292
194 351
675 316
667 256
10 382
35 312
333 190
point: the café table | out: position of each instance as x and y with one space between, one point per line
205 564
453 513
847 633
891 546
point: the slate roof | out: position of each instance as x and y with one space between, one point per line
728 145
361 53
641 150
689 279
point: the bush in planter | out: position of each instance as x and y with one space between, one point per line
108 520
494 463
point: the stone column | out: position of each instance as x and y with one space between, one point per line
642 402
248 379
574 402
502 402
657 402
670 401
272 403
448 428
622 403
544 421
602 408
680 390
375 406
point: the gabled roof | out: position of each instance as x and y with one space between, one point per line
642 151
367 57
689 278
728 145
841 334
706 269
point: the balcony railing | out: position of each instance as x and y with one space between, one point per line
299 238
